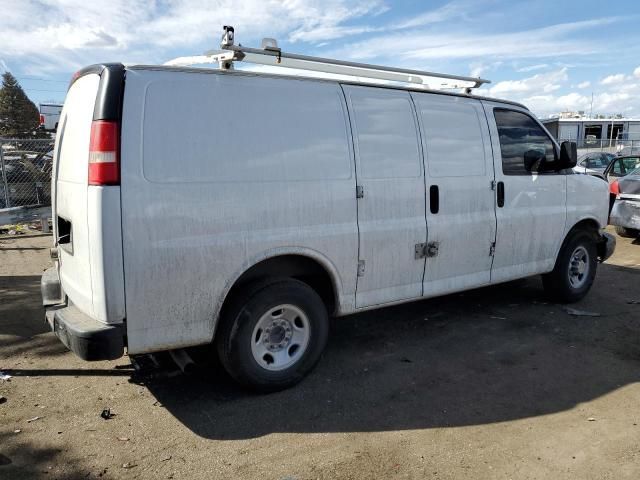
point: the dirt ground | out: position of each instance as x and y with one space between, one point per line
493 383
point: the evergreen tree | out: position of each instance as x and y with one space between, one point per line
19 116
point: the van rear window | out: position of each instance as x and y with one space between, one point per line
226 128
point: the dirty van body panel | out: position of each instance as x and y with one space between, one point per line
587 199
532 222
461 216
219 171
391 210
87 217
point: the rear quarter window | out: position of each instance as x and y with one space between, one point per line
232 128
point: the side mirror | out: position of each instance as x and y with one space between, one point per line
568 155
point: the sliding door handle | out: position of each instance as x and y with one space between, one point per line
434 199
500 194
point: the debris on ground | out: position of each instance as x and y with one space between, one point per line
580 313
498 318
166 458
17 430
5 376
123 439
128 465
106 414
33 419
591 419
633 302
3 399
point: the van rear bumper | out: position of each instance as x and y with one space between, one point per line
87 338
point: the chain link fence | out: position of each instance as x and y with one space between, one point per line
614 146
25 172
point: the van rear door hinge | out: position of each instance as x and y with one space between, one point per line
361 268
359 191
493 184
492 249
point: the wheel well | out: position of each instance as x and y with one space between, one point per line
302 268
588 224
591 226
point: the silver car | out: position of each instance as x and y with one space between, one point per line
625 214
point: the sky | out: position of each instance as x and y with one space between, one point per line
551 55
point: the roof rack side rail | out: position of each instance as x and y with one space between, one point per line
271 55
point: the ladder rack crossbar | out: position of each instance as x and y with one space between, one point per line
320 64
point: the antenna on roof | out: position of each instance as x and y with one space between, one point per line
271 54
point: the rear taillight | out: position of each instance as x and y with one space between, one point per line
41 119
614 188
104 153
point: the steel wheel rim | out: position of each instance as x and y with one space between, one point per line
579 267
280 337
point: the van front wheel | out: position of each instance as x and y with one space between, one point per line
575 268
272 334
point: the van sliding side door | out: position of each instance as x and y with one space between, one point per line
461 218
391 203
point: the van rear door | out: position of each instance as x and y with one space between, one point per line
70 208
87 217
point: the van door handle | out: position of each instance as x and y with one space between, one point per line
434 198
500 191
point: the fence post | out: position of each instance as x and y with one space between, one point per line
7 202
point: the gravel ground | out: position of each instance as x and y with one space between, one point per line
492 383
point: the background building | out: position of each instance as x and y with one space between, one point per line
616 132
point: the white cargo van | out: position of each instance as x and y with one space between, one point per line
50 116
205 206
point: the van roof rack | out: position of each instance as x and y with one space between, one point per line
270 54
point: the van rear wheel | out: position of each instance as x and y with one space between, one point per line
575 268
272 334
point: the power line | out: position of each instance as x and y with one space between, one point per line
39 90
42 79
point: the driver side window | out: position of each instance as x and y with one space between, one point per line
524 145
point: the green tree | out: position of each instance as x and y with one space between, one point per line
19 116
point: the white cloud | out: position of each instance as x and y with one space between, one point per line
541 94
448 11
551 41
67 34
613 79
322 20
636 72
478 69
539 83
572 101
531 68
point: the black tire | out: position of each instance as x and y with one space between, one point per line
239 319
558 284
627 232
